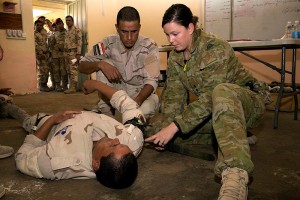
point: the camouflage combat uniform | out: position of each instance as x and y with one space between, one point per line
57 46
41 58
67 152
138 66
229 100
50 37
73 45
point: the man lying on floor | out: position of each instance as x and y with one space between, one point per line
80 144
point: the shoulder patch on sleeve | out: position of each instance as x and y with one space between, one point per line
98 49
151 64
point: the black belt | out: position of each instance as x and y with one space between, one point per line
136 122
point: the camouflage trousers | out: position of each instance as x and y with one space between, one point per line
43 71
71 68
234 110
59 69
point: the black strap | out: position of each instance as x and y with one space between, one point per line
38 119
136 122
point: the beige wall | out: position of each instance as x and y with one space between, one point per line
102 17
18 71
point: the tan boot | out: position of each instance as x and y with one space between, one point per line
72 88
6 151
234 184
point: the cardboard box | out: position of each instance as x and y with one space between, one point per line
287 103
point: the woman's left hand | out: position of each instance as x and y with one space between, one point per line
162 137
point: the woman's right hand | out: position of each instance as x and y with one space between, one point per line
162 137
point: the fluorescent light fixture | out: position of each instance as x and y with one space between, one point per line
37 12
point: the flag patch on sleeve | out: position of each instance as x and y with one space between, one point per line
98 49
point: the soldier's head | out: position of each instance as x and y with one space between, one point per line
60 24
69 21
114 164
54 26
38 25
42 19
179 24
128 26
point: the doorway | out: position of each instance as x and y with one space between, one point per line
53 9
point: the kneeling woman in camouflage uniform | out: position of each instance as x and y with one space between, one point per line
229 99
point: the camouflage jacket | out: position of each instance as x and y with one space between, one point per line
212 62
57 44
40 43
73 39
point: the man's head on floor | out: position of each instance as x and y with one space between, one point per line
115 164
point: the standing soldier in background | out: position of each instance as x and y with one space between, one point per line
57 46
43 20
73 43
41 56
50 36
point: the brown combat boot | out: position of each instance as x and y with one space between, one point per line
72 88
44 88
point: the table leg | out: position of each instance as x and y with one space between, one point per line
282 82
294 83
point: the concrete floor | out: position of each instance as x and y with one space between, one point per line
162 176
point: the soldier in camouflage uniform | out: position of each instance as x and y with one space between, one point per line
57 46
41 52
229 99
50 63
73 43
43 20
126 61
49 36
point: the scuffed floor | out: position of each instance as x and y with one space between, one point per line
162 176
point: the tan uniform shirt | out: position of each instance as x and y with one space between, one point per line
138 66
57 44
40 43
73 42
67 153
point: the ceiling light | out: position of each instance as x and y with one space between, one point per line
37 12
